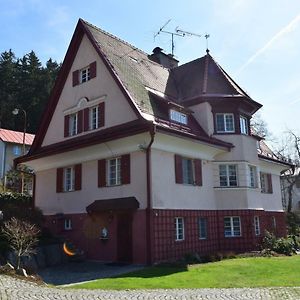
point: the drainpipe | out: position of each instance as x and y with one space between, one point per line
149 225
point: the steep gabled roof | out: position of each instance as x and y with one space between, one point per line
15 137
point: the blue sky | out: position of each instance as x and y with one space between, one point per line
256 42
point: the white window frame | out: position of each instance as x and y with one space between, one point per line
252 176
73 124
244 125
202 228
231 230
69 179
179 229
113 168
85 74
178 116
256 225
94 117
67 224
225 124
227 175
188 175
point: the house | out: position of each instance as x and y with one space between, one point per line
11 147
140 160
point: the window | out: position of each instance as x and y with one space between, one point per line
225 122
188 171
17 150
228 175
232 226
73 122
202 228
114 171
179 229
178 116
274 223
67 224
243 125
252 176
266 183
69 179
94 117
85 75
256 225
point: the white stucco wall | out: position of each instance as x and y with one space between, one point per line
117 108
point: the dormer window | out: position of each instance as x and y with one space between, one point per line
178 116
243 125
85 74
224 123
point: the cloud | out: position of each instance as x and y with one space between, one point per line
285 30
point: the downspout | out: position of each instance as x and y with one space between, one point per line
149 224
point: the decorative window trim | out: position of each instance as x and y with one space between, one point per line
231 230
178 116
227 176
224 123
179 229
202 223
256 225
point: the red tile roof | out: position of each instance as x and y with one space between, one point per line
10 136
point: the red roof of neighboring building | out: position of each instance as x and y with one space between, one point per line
16 137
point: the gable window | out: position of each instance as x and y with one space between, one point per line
243 125
232 226
228 175
73 122
225 123
178 116
188 171
114 171
179 229
202 228
67 224
252 176
94 117
266 183
85 74
256 225
68 179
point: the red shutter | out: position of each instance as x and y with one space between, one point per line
80 121
178 169
59 180
198 171
270 187
78 176
86 119
101 114
66 129
125 169
76 77
93 69
101 173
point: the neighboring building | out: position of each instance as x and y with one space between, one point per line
11 147
142 162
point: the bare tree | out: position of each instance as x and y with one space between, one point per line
22 237
260 127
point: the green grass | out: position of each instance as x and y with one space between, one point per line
241 272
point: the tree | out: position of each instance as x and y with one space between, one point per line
22 237
259 126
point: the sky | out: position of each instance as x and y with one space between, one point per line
256 42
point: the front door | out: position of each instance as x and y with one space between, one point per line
124 231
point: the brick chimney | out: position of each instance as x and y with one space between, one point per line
166 60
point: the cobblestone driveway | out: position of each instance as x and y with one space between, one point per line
14 289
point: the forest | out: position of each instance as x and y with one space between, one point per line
24 84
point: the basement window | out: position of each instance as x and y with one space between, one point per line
178 116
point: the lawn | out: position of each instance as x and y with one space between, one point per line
240 272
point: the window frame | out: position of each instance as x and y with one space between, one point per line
67 224
227 175
232 229
73 124
179 229
252 176
178 117
117 180
85 74
265 184
188 175
224 128
202 228
94 117
244 125
69 183
256 225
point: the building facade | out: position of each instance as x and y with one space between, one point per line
140 160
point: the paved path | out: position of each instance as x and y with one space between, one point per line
15 289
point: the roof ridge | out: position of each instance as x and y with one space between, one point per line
113 36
